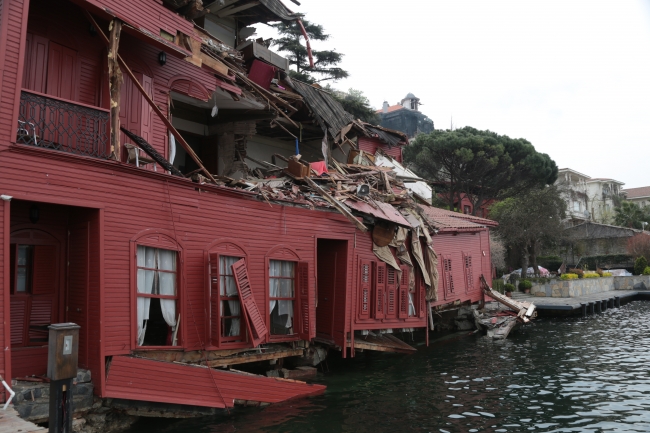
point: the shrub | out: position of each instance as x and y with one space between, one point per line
607 274
578 272
639 265
591 275
646 271
525 284
509 287
569 277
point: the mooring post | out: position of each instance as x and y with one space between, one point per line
604 304
610 303
583 307
598 307
617 301
591 308
62 355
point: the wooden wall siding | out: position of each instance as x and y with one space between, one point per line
27 361
130 378
148 14
372 144
12 36
456 247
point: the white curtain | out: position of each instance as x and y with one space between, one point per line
227 287
411 305
282 288
146 259
167 285
275 270
172 148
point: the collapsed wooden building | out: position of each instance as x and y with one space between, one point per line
152 193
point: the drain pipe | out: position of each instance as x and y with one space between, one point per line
11 393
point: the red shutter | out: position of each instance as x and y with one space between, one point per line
391 293
380 290
421 289
469 275
448 277
62 72
305 331
18 312
44 284
255 320
404 292
35 69
215 318
40 318
364 290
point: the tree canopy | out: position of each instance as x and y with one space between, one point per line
630 215
357 104
325 61
481 165
530 221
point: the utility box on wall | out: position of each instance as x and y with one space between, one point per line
63 351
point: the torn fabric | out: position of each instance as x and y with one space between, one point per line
399 243
432 267
385 255
416 249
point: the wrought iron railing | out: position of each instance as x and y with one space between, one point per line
52 123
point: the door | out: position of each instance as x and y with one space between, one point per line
135 111
62 82
331 272
78 283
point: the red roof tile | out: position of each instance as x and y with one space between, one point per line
391 108
643 191
446 220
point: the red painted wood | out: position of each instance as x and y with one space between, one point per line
255 320
77 298
27 361
130 378
62 72
371 145
35 72
365 289
307 327
391 293
404 292
19 309
379 282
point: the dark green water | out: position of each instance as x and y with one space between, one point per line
557 375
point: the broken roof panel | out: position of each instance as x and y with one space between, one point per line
444 220
328 112
379 210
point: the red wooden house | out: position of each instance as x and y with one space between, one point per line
157 267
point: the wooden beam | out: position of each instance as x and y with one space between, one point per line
155 108
115 85
234 10
338 205
243 359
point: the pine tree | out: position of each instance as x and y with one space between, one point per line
325 62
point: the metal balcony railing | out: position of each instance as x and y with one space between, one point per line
53 123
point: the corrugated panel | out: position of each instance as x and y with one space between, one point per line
147 380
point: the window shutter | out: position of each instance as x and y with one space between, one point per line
364 290
404 292
256 323
44 283
469 275
18 312
213 278
380 290
391 293
306 331
449 280
421 289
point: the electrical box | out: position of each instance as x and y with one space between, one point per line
63 351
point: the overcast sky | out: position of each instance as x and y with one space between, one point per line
572 77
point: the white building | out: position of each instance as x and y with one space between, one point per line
587 198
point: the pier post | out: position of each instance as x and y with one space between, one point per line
610 303
583 307
592 309
604 305
597 306
617 301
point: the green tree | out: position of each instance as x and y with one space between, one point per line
630 215
482 165
356 103
325 61
530 221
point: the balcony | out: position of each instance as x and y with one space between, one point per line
54 123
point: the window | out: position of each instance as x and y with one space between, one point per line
467 210
281 296
576 206
157 297
229 306
24 263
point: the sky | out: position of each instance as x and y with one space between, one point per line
571 77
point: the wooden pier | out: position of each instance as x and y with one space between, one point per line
10 422
585 305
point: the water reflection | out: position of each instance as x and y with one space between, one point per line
558 375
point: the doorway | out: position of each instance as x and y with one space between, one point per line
332 259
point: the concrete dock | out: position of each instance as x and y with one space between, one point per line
587 304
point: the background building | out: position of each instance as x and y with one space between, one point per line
406 116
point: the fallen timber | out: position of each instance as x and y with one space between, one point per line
499 322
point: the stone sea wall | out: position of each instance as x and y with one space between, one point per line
572 288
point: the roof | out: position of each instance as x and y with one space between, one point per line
605 179
445 220
262 11
561 170
643 191
328 111
390 108
594 230
410 96
388 136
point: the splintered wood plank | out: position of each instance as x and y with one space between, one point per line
382 343
10 422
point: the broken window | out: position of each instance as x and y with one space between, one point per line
229 305
157 298
281 296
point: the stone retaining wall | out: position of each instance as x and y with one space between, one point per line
586 286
